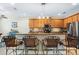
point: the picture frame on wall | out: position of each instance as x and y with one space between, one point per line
14 24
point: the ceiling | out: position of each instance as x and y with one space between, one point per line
54 10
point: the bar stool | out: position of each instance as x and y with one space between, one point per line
31 43
51 43
11 44
72 45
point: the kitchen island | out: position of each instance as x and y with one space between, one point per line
41 36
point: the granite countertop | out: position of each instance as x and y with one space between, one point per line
53 33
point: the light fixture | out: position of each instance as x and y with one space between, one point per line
43 3
59 14
42 10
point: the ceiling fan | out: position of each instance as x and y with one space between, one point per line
3 16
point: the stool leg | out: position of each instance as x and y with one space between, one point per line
76 51
43 49
46 51
57 50
35 50
53 51
6 50
26 51
66 50
14 51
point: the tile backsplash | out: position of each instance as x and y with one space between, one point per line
36 30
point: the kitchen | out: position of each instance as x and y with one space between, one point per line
42 20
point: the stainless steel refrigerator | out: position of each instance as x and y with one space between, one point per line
73 31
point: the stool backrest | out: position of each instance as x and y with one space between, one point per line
9 41
52 41
30 41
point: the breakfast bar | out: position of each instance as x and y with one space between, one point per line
42 35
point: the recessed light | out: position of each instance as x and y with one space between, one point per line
59 14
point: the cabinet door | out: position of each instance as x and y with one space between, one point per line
52 23
78 17
36 23
41 21
69 19
45 21
65 22
75 18
31 23
59 23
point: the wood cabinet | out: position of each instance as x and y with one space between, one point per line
65 22
58 23
78 17
71 19
52 23
75 18
36 23
68 20
40 22
31 23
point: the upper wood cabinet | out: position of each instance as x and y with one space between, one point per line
31 23
75 18
40 22
78 17
69 19
58 23
36 23
52 23
65 22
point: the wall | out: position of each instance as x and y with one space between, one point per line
23 25
5 25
